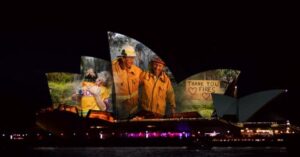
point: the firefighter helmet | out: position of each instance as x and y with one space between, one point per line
128 51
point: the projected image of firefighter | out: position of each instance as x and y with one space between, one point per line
129 58
157 89
126 78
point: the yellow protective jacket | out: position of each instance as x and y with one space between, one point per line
155 92
88 100
126 89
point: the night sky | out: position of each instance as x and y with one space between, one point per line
32 45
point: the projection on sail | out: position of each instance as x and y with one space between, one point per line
143 83
96 85
62 86
80 93
194 93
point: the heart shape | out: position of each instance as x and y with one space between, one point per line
206 96
192 90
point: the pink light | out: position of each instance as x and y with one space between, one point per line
170 134
141 134
163 134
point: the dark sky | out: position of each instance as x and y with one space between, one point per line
262 48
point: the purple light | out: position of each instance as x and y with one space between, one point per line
154 134
163 134
180 135
187 135
148 134
135 135
141 134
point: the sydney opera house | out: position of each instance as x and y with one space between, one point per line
135 100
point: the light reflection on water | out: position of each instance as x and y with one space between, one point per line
149 151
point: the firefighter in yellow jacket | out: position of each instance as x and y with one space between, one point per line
95 92
156 89
126 78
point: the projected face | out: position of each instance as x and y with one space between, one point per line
157 68
128 61
99 82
